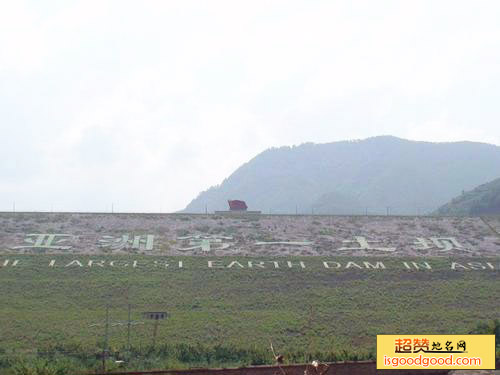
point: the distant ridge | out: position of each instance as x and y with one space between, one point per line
376 175
482 200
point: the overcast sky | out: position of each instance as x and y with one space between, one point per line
146 103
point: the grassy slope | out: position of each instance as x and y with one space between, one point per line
482 200
315 308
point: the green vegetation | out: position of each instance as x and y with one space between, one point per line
355 177
483 200
59 360
490 328
227 316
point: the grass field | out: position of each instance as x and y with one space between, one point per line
314 308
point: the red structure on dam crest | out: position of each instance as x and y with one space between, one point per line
236 205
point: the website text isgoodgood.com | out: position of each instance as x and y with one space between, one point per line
422 361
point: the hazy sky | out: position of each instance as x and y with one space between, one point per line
146 103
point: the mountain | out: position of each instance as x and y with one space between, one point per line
375 175
483 200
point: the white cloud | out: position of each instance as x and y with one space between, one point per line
148 103
22 41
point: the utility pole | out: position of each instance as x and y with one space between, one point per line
129 323
387 210
155 331
106 338
109 324
14 206
112 208
156 316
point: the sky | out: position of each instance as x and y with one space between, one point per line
137 106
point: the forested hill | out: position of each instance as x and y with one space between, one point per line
377 175
483 200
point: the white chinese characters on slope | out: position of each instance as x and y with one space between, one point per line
45 241
364 244
443 244
290 243
58 241
208 243
144 242
205 243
